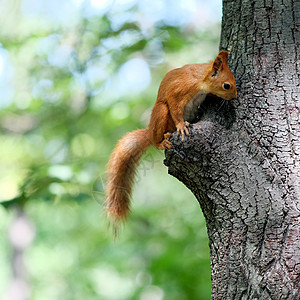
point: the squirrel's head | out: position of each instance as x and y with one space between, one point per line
219 80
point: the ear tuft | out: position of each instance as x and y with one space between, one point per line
219 61
223 55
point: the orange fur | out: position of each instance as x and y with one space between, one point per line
121 171
178 88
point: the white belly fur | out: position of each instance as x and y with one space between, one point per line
192 107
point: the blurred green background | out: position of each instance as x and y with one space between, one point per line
76 75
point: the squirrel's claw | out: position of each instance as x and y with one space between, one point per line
182 129
168 144
165 143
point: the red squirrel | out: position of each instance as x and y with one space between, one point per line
180 92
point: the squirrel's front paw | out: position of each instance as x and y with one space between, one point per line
182 128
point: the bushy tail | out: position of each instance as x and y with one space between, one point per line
121 171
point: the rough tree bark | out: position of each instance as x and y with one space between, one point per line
242 161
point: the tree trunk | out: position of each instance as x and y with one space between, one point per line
242 161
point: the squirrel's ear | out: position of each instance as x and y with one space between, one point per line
219 61
224 56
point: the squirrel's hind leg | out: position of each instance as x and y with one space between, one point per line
160 125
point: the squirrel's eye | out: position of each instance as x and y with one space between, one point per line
226 86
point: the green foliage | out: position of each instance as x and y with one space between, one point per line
69 98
